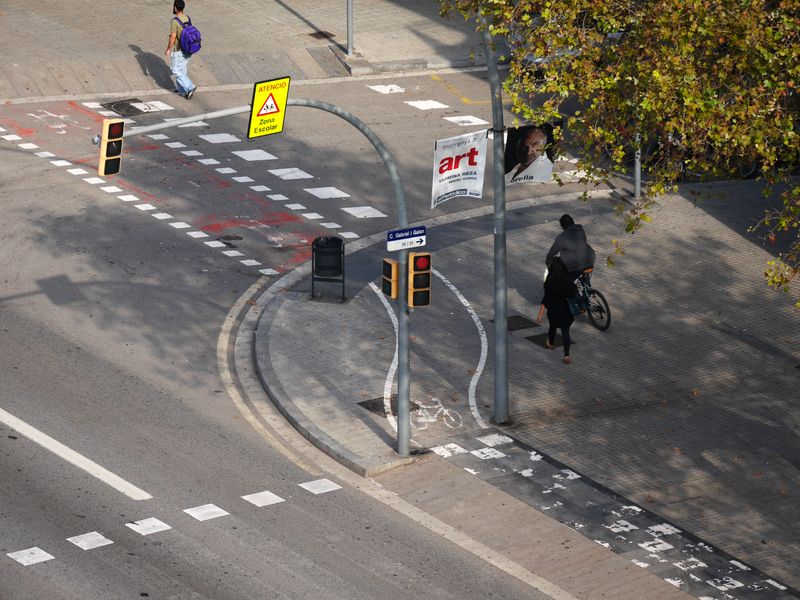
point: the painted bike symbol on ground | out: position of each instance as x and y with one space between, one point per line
430 413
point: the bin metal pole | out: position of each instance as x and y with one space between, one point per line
403 348
349 27
500 409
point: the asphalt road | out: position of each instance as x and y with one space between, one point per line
109 320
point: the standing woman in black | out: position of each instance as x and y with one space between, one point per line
557 288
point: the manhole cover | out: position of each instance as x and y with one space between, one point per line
124 108
517 322
322 35
377 406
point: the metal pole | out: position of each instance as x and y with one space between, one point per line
500 409
637 168
403 347
349 27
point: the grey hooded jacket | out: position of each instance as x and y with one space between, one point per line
572 247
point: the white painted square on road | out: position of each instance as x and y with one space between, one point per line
313 216
295 207
91 104
77 171
94 180
214 244
219 138
268 271
330 225
208 161
111 189
257 154
320 486
426 104
249 262
191 153
162 216
243 179
89 541
128 198
108 113
263 498
175 145
152 106
348 235
466 120
225 170
495 439
277 197
293 173
197 234
206 512
180 225
60 163
327 192
158 136
11 138
1 130
28 146
487 453
449 450
145 207
31 556
232 253
45 154
260 188
387 89
148 526
364 212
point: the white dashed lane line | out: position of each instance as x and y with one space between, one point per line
151 525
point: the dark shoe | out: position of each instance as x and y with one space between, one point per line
191 93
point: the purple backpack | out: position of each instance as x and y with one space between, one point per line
189 38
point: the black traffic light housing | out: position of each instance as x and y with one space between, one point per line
391 276
111 147
419 279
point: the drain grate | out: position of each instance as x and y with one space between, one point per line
517 322
124 108
377 406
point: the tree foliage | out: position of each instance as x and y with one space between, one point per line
707 86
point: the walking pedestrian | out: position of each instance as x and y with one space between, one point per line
179 60
557 288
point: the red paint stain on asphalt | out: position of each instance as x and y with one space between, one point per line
85 111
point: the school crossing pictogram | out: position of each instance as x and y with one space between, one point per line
268 108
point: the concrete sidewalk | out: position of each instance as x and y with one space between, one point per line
685 408
119 46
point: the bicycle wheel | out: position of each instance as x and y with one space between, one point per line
452 419
599 313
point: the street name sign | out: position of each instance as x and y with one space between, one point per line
411 237
268 108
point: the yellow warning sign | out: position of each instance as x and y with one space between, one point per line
268 107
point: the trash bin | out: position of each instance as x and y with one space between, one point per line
327 261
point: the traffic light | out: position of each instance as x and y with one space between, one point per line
391 271
419 279
111 146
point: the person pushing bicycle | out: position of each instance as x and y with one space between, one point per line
571 246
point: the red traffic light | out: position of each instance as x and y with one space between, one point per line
422 262
116 129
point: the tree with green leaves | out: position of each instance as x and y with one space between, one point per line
706 86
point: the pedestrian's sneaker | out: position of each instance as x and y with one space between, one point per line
190 93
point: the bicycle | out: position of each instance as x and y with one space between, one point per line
592 302
424 417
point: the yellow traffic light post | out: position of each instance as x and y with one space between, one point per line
111 147
391 278
419 279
